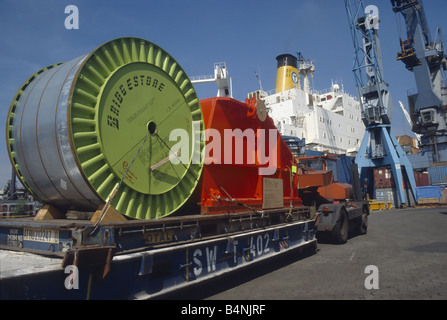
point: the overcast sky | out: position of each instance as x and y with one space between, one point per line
246 34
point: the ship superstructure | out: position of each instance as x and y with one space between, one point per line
328 120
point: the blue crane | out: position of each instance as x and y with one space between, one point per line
379 148
425 57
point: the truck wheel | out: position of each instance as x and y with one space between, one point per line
363 222
340 232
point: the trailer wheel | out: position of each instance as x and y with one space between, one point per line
340 232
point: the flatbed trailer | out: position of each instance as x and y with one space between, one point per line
70 259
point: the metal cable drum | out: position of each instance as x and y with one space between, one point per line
73 130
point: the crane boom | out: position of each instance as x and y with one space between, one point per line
407 116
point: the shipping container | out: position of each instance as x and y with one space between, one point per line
431 194
437 176
387 195
383 178
421 160
391 195
407 141
421 179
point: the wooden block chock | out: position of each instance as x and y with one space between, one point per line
48 212
110 215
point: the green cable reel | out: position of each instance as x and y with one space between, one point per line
132 115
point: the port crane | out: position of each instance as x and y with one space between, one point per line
379 148
425 57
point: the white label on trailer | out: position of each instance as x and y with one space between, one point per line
205 259
41 235
14 239
273 193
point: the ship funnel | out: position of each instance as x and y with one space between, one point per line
286 72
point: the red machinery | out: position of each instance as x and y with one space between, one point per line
247 163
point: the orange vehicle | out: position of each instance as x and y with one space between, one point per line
341 207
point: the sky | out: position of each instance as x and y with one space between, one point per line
246 34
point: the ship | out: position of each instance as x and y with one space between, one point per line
329 120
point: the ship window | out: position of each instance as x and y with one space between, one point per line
341 140
324 134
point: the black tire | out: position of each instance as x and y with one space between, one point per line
340 232
363 222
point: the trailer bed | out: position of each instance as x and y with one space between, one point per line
141 259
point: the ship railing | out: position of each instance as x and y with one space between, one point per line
329 90
201 78
273 92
